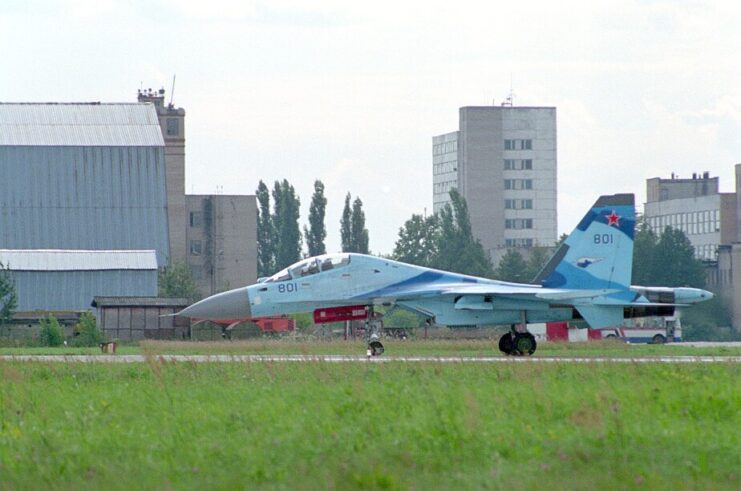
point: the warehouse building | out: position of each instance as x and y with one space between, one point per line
83 177
67 280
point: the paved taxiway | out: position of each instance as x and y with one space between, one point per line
360 359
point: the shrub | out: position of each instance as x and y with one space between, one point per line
87 332
51 332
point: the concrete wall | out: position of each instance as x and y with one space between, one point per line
222 241
480 172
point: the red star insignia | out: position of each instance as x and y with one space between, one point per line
612 219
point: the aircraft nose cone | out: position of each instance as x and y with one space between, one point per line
231 305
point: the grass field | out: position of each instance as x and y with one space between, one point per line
421 347
318 425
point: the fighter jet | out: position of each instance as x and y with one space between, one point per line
587 278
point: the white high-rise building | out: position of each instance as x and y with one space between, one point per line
503 162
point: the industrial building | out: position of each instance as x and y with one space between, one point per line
503 161
171 120
82 177
709 219
222 239
215 235
67 280
110 178
696 207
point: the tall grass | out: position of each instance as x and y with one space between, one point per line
318 425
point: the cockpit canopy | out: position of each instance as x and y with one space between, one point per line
311 266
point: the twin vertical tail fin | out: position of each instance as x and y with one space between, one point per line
598 255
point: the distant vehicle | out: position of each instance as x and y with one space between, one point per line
653 330
658 330
588 278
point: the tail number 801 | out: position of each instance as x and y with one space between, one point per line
603 239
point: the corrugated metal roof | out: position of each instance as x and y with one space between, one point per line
76 260
77 124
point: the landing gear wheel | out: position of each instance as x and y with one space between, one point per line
523 344
505 343
375 347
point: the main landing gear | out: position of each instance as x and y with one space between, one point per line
374 327
518 342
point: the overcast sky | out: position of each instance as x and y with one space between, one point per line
352 94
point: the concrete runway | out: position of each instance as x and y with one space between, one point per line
360 359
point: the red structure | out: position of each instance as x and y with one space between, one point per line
339 314
275 324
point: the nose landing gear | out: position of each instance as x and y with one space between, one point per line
374 327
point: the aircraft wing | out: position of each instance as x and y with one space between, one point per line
503 290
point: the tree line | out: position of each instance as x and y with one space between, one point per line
279 238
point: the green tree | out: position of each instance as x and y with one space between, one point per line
176 281
536 261
417 242
512 267
674 261
644 249
317 232
666 260
457 249
51 332
346 226
87 332
357 225
8 296
265 233
708 321
285 220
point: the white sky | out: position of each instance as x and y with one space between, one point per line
351 93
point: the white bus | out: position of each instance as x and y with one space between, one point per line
654 330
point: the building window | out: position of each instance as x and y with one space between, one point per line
195 248
196 272
173 127
518 204
518 144
518 164
518 223
518 184
196 218
518 242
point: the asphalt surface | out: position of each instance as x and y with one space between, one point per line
112 358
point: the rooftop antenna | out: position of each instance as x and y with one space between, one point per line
510 100
172 91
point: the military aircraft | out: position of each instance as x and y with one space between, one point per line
587 278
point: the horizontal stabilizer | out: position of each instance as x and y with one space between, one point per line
599 317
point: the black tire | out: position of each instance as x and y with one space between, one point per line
524 344
376 348
658 339
505 343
